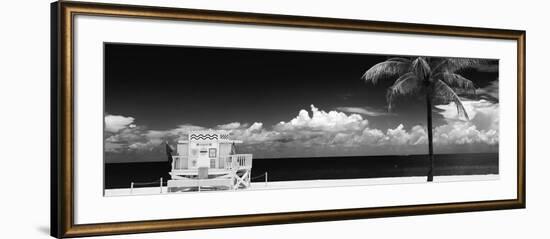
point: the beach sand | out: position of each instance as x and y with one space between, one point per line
309 184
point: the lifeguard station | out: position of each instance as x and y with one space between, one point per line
208 160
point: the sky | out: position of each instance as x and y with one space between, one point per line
280 103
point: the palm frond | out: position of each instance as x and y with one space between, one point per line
421 68
404 85
436 61
390 68
445 93
455 64
399 59
456 81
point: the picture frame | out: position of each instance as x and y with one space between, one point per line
64 122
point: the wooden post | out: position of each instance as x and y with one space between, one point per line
132 188
234 179
160 184
266 179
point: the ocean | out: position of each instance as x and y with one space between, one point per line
121 175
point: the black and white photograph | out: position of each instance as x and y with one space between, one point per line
196 119
274 119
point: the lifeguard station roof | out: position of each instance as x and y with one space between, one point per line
209 135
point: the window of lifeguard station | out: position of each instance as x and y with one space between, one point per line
212 153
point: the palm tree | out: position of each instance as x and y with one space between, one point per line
434 78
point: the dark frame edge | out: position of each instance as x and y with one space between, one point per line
521 117
54 121
167 225
62 143
263 19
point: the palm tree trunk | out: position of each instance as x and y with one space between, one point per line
430 138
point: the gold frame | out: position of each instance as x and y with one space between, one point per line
62 202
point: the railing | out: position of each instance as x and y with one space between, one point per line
237 161
234 161
133 184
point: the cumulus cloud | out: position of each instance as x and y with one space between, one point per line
483 113
182 130
229 126
483 126
368 111
464 133
115 123
253 134
131 137
399 136
320 133
332 121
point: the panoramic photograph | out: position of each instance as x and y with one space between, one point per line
181 119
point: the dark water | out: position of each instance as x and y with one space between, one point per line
120 175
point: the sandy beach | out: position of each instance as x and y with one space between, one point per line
308 184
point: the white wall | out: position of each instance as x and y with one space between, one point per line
24 100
